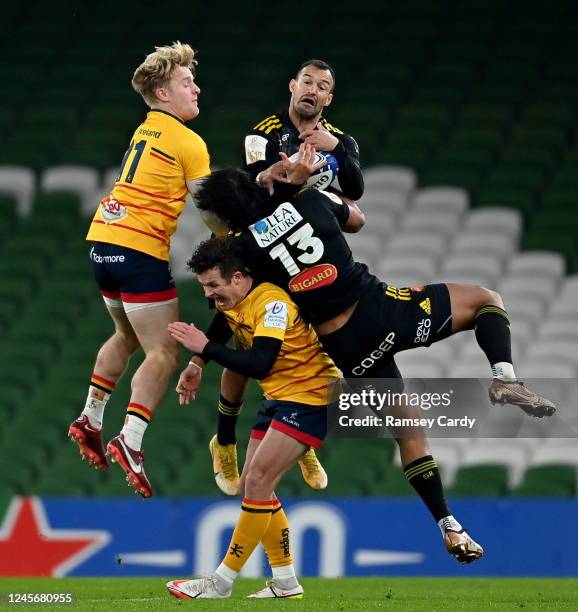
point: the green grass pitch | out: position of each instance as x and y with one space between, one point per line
396 594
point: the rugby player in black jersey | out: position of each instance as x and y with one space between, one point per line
361 321
311 92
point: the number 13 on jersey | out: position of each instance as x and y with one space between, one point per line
305 241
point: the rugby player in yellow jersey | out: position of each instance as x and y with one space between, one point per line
130 235
283 353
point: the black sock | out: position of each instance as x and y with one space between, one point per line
228 414
492 328
424 476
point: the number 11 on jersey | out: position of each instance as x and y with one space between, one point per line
139 147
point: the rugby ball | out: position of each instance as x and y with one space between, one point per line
324 176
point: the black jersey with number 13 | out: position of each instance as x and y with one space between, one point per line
299 246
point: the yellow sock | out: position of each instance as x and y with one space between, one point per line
276 539
252 525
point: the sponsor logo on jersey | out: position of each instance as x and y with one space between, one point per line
291 419
109 259
152 133
423 330
255 147
261 227
112 210
266 231
426 306
313 278
368 362
276 315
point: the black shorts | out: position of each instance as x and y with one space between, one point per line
131 279
388 320
305 423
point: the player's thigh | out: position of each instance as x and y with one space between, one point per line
150 325
122 325
145 287
466 300
388 320
276 454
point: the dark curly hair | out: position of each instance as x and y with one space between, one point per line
233 196
222 253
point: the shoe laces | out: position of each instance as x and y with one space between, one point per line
309 460
207 582
523 390
228 463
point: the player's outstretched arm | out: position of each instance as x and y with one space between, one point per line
255 362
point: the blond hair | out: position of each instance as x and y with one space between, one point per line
158 67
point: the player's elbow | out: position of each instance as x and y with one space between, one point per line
259 373
356 192
260 366
355 222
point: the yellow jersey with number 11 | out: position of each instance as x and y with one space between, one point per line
149 195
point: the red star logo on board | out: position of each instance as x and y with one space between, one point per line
30 547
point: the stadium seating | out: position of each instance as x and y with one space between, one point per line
20 183
79 180
468 141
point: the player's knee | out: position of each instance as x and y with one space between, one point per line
171 354
256 477
165 354
123 340
129 341
488 297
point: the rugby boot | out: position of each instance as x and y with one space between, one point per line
274 590
208 587
89 441
313 473
516 393
132 463
225 466
461 546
